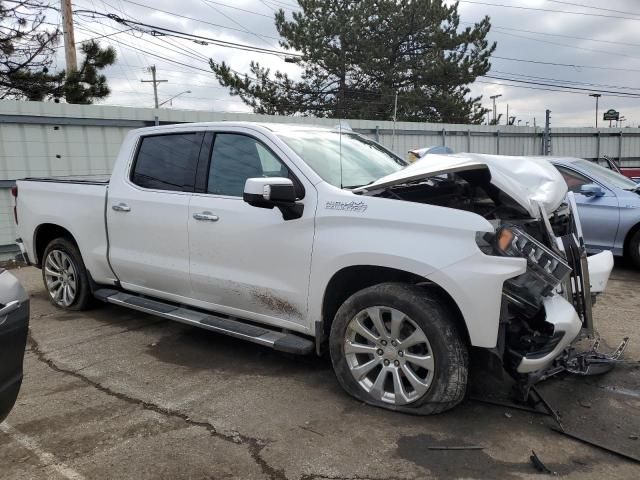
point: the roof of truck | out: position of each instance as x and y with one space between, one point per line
274 127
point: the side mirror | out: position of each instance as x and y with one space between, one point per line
591 190
269 192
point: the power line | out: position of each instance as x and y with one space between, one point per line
191 18
611 42
548 10
260 37
572 65
593 8
270 17
540 88
162 31
624 94
565 81
606 52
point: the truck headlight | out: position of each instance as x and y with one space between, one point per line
545 269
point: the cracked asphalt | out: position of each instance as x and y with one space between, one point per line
112 393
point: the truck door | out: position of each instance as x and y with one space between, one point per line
147 213
249 261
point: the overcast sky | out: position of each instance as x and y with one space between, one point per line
611 44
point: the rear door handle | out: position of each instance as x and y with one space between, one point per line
206 217
121 207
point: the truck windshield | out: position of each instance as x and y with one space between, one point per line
350 162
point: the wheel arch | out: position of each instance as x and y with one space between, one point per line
627 239
43 235
349 280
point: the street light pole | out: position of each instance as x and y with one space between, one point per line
493 97
597 97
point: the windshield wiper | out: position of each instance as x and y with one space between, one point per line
351 187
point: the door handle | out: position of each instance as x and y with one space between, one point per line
121 207
206 217
7 309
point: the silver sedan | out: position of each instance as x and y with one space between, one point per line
609 206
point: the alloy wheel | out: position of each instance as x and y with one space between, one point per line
389 355
61 278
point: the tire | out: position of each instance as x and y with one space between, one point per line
439 383
62 261
634 249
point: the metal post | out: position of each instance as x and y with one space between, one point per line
155 82
547 133
497 142
444 137
378 133
493 97
395 112
598 144
597 97
468 140
620 149
69 37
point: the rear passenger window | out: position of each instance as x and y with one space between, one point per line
167 162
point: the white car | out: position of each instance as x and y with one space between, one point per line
311 239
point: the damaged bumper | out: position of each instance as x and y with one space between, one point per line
541 325
566 327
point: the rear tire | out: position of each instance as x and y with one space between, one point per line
65 276
634 249
418 364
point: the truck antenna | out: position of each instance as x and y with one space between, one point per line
340 148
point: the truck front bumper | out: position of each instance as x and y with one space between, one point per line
562 314
566 328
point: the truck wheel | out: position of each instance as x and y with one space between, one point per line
396 346
65 276
634 249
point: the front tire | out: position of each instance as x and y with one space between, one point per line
65 276
396 346
634 249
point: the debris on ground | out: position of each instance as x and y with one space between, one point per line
597 445
537 463
457 447
508 415
585 404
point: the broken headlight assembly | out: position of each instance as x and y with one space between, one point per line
545 269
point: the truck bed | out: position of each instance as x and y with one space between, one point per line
79 179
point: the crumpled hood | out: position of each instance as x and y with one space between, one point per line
528 180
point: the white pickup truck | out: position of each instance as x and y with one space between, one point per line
311 239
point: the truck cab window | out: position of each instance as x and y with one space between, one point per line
238 157
167 162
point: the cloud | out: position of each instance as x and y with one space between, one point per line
175 59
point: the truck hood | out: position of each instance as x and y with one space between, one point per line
530 181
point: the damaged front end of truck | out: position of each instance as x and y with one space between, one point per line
547 309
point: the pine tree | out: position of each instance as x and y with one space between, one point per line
27 49
356 55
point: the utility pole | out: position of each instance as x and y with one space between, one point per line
597 97
547 133
395 113
493 97
69 38
155 82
